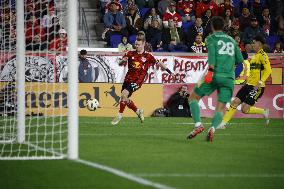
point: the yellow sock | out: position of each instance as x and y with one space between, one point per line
255 110
229 114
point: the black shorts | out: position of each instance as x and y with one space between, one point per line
248 95
130 87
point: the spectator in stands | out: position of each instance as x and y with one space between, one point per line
225 6
178 103
204 5
124 46
245 19
235 29
59 44
240 44
198 45
50 23
193 31
35 35
206 20
134 22
280 25
171 14
154 35
228 19
186 10
109 4
250 32
85 68
278 47
173 38
148 46
152 16
130 4
264 21
114 22
163 6
244 4
145 4
257 9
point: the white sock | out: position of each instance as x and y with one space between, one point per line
119 115
212 129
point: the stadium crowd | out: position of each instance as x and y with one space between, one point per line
43 30
182 25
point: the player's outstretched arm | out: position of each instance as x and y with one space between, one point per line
165 67
123 61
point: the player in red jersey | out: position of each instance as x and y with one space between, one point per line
139 61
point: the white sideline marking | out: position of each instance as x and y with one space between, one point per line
217 175
123 174
177 134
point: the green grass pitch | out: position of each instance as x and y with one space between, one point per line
246 155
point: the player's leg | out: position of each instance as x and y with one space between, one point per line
122 104
240 97
249 108
199 92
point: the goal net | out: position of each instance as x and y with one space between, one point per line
33 79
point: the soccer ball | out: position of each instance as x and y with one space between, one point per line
92 104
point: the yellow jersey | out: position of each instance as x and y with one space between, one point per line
260 68
245 72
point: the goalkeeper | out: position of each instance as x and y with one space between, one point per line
223 54
249 94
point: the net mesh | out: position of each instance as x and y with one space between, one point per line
45 84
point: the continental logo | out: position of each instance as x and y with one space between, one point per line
57 99
256 66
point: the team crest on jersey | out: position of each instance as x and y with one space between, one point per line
143 59
136 64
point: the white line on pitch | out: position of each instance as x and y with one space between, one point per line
123 174
216 175
177 134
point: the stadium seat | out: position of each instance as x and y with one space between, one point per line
131 39
271 40
143 12
115 40
186 26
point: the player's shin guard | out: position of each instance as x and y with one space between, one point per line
132 106
229 114
122 106
195 111
255 110
217 119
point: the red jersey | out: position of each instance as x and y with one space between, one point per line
172 16
138 65
223 7
202 7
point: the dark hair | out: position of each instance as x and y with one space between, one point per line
259 38
217 23
245 55
83 52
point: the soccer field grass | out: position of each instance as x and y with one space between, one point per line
246 155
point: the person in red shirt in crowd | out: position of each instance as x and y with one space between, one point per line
198 45
171 14
186 9
32 29
139 61
224 6
118 5
205 5
59 44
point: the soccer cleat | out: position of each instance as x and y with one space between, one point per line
210 134
266 116
140 114
116 120
222 126
196 131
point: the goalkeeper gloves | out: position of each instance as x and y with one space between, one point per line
209 75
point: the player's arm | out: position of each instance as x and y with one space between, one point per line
160 63
211 59
123 60
267 68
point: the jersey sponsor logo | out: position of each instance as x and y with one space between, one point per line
143 59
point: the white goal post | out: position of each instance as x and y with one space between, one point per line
37 118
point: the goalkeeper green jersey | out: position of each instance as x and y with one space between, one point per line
223 54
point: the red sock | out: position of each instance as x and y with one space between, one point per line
132 106
122 105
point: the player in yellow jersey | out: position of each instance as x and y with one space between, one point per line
249 94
